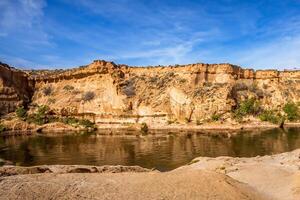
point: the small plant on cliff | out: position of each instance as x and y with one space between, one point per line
88 96
144 128
68 88
215 117
292 111
47 90
2 128
21 112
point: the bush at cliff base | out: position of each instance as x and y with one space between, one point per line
292 111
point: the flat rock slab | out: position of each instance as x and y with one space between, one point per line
190 184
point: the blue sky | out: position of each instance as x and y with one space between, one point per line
64 33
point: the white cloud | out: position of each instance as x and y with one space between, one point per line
282 53
20 13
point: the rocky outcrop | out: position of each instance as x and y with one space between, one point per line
276 176
110 93
15 88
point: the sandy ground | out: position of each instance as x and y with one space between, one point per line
267 177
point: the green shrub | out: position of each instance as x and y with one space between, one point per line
70 120
68 87
88 96
2 128
292 111
271 116
86 123
144 128
215 117
21 112
43 110
247 107
74 121
40 117
47 90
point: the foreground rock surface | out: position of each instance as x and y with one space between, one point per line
277 176
190 184
267 177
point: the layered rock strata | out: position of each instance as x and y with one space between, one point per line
110 93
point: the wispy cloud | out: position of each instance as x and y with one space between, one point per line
20 13
282 53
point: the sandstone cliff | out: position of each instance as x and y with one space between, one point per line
15 89
111 93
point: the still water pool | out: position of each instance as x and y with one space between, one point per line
160 151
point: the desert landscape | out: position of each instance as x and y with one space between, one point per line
150 100
110 99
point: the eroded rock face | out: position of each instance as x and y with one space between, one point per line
111 93
15 89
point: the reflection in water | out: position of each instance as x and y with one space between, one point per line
163 152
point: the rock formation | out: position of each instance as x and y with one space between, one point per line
15 89
111 93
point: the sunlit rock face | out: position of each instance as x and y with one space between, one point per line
121 94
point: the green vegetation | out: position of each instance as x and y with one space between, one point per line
247 107
144 128
41 116
2 128
88 96
78 122
292 111
86 123
271 116
216 117
68 88
21 112
47 91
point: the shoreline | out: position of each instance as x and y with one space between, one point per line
135 128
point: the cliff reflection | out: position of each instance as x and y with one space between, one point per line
163 152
